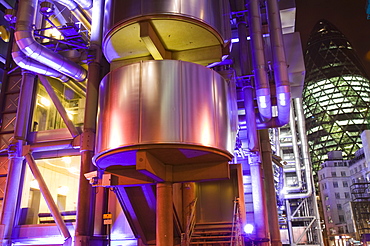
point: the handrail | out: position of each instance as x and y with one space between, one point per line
186 236
236 231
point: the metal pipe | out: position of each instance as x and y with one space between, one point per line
305 154
297 161
258 62
48 197
250 116
31 65
261 232
62 111
279 63
28 45
73 7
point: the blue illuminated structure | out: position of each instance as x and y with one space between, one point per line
119 121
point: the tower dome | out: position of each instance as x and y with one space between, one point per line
336 94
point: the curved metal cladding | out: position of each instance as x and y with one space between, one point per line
179 24
144 106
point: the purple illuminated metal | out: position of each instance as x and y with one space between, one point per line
31 65
29 46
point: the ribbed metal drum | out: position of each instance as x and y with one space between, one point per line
180 111
178 25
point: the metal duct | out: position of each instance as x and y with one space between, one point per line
73 7
279 62
297 161
258 61
29 46
263 94
250 115
305 154
31 65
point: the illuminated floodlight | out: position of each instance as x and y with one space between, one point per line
248 228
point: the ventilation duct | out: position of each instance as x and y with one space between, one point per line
31 65
29 46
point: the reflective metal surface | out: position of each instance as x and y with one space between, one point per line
179 25
154 103
207 11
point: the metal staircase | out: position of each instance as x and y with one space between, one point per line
212 234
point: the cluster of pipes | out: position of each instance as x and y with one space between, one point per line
31 56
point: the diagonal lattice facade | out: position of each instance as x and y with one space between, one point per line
336 94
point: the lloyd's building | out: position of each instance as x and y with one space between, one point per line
153 122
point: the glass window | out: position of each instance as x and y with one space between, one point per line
61 176
333 174
335 184
346 195
341 218
343 173
337 195
46 116
345 184
339 206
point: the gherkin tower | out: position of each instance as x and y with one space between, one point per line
336 94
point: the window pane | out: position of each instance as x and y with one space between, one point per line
61 176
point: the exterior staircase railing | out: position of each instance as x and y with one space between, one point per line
237 230
186 236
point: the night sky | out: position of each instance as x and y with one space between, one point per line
349 16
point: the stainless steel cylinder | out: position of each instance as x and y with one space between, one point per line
177 24
177 110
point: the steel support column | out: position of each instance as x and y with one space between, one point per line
164 219
12 188
270 192
261 229
15 167
188 198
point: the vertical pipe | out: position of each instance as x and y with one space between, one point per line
62 111
289 223
250 119
164 219
261 233
258 61
273 219
279 62
14 176
86 194
47 196
297 159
